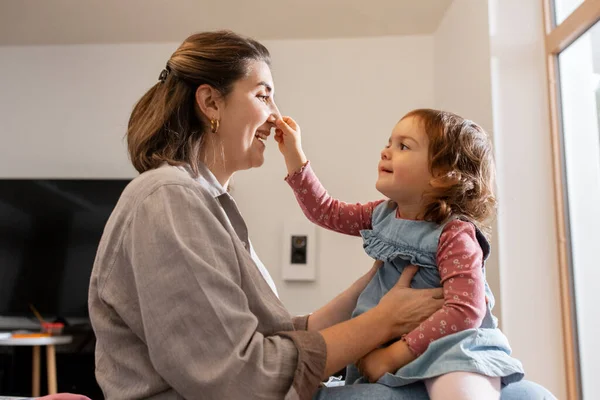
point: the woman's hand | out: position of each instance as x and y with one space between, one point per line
406 308
399 311
287 136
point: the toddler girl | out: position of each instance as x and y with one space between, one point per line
437 172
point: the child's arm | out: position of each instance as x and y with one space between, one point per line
460 261
318 206
322 209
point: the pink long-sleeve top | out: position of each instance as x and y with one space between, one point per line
459 258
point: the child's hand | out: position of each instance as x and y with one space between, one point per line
375 364
287 136
389 359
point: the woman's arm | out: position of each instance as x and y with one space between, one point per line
340 308
195 317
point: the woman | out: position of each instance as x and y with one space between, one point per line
180 303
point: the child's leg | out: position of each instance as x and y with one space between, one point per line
463 386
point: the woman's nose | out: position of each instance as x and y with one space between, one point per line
274 110
274 114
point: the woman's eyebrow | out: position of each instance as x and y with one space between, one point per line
268 87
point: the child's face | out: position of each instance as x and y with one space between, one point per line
404 167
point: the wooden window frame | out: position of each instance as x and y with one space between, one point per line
558 38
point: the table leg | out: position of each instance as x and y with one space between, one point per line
51 366
35 373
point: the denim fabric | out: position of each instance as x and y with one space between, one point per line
399 243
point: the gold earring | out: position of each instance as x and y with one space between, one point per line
214 125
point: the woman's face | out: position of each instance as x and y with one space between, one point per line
246 118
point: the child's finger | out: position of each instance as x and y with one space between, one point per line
283 127
290 121
287 125
278 136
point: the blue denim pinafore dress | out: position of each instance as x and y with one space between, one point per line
399 243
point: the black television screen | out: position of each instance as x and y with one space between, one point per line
49 234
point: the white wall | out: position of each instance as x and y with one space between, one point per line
527 231
462 62
463 85
64 110
347 95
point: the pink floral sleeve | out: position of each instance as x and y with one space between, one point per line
460 261
320 208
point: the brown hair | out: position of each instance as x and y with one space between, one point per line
461 161
165 125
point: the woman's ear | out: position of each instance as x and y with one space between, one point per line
209 101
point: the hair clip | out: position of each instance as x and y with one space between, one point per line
164 74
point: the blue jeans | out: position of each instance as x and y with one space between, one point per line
522 390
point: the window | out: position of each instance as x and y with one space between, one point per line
573 57
564 8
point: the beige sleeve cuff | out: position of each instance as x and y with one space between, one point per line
300 322
312 356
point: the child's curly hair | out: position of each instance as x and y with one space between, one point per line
461 162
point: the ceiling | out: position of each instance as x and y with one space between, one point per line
44 22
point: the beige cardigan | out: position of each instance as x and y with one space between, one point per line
179 308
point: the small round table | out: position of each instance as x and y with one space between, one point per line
36 343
